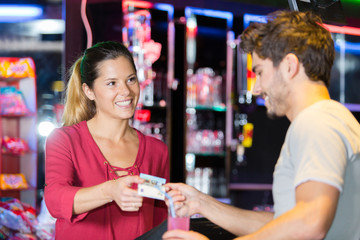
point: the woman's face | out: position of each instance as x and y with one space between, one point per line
116 90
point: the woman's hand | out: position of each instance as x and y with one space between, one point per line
181 234
126 197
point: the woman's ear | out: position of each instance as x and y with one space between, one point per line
88 91
292 65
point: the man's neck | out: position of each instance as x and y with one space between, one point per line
305 95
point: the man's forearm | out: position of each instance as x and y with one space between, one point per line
235 220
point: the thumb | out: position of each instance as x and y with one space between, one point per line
129 180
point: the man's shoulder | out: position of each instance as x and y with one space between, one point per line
327 112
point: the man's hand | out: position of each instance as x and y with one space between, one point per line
181 234
186 198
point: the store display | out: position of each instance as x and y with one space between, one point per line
204 89
208 81
18 218
152 47
137 37
18 221
18 124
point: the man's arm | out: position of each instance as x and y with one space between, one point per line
234 220
311 217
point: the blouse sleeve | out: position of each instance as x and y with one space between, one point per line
60 174
160 211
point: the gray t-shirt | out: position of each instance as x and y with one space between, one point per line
322 144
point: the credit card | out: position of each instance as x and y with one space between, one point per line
150 188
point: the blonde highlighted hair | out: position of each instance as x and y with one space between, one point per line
78 107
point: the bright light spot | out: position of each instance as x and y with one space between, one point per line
162 103
50 26
45 128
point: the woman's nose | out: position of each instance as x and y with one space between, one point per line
123 89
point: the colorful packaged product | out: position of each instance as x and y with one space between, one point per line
12 101
13 181
15 146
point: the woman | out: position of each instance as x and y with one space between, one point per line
93 161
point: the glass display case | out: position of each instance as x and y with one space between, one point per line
208 85
256 139
148 32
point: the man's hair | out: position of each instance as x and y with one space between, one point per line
300 33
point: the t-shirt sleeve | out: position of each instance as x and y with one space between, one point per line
60 173
318 151
160 211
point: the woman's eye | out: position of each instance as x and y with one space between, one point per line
111 83
132 80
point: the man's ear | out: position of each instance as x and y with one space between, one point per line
292 65
88 91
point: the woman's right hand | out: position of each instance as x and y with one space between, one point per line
126 197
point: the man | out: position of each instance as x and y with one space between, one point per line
316 186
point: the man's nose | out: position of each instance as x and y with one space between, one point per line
257 89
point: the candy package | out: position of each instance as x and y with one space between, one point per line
16 219
13 181
15 146
12 101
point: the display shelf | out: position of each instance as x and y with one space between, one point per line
18 155
221 154
210 108
20 73
18 115
208 80
30 188
148 31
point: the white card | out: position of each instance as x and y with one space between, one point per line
150 188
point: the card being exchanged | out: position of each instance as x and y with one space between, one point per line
150 188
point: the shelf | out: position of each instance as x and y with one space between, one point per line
221 154
155 106
219 108
20 189
249 186
18 115
17 155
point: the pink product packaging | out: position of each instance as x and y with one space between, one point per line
12 101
